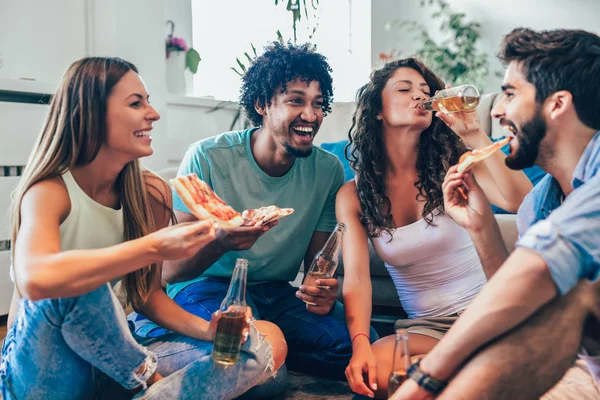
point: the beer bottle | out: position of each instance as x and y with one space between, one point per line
326 260
459 98
400 363
228 340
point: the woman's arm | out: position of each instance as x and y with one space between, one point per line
163 311
44 271
357 290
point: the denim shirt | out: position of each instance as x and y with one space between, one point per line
566 233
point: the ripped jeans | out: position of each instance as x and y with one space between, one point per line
81 348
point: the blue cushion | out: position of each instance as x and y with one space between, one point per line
535 173
337 148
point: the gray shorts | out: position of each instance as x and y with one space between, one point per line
435 327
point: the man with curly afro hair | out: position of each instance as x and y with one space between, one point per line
286 93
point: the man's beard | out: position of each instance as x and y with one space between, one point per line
295 152
530 137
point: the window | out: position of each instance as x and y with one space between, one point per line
224 30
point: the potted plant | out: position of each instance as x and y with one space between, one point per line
456 58
179 57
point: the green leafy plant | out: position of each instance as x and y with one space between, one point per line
297 7
456 58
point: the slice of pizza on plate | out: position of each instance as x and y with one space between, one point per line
264 215
204 203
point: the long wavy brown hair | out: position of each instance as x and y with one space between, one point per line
439 148
74 131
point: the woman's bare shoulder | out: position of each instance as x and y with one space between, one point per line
37 196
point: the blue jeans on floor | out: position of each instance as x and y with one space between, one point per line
319 345
81 348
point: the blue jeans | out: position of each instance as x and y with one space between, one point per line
317 344
81 348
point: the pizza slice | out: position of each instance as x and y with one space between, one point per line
264 215
470 158
204 203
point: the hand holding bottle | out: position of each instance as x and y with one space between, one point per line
455 106
320 287
214 323
321 297
232 321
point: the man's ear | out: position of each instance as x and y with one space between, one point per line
259 109
559 103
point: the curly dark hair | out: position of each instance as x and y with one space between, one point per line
279 65
560 59
439 148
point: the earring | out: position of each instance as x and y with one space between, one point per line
379 117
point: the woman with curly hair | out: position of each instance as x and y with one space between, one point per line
401 154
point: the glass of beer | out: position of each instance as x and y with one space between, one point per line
455 99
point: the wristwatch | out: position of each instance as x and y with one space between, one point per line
426 381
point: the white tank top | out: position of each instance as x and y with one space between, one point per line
90 225
436 269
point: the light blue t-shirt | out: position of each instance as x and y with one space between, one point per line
567 234
227 164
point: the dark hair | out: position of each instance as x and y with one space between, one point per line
561 59
279 65
439 148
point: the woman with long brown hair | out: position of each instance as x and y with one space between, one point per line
401 154
84 214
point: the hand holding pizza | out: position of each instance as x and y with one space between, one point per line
467 210
182 240
242 238
235 231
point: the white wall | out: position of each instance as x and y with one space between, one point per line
497 18
39 39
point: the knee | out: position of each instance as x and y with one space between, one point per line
274 336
